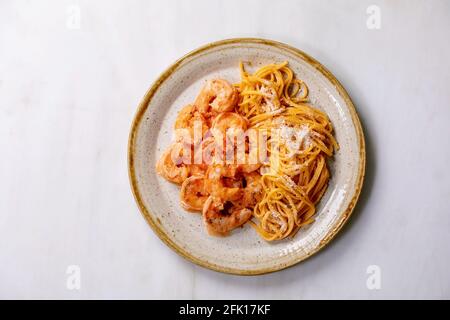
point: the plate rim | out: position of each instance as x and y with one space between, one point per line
144 104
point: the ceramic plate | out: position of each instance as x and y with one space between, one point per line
243 252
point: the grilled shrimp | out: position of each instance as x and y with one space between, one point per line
253 191
193 194
229 121
220 217
197 169
212 152
187 118
219 95
175 172
248 168
220 182
252 162
207 153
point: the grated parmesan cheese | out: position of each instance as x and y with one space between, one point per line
264 170
295 138
288 182
270 99
281 222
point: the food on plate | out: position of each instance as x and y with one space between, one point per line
255 151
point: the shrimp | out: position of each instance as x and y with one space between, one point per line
197 169
221 182
220 217
228 128
175 172
206 153
217 94
213 152
226 121
187 119
193 194
253 191
249 167
248 161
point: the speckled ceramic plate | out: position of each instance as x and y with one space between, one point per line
243 252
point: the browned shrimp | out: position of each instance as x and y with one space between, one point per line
220 217
220 182
197 169
217 94
252 162
193 194
187 118
229 121
205 153
253 191
175 172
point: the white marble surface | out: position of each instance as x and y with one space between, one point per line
67 98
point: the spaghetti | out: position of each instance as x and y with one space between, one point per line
300 139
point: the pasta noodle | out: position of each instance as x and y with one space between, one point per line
300 139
